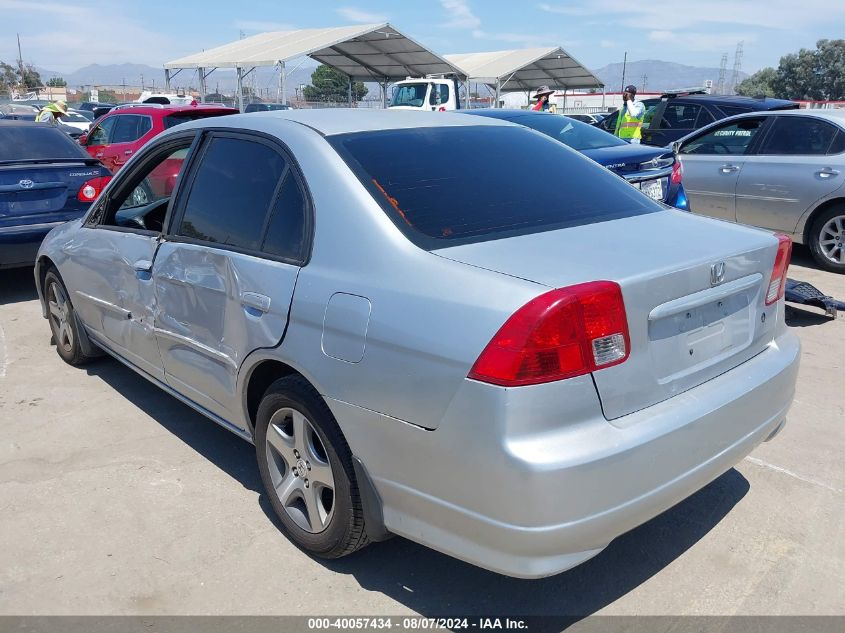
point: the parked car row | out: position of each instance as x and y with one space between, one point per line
512 359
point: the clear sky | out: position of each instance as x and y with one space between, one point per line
64 36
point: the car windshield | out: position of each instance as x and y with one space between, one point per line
39 142
409 95
450 185
574 133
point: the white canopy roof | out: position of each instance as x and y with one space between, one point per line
526 69
367 52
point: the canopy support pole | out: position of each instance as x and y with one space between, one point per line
498 89
240 89
384 93
350 91
167 80
282 97
603 95
201 72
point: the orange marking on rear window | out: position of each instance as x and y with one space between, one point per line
393 202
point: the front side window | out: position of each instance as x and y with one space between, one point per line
141 201
130 127
231 193
409 95
432 185
731 139
100 134
799 136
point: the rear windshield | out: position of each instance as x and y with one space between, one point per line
574 133
183 117
36 141
444 186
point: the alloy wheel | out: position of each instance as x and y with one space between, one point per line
300 470
832 239
60 316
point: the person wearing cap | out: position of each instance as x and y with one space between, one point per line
51 112
629 123
543 93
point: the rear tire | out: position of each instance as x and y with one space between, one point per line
63 322
827 239
306 468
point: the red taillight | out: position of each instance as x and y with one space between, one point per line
777 282
561 334
677 172
91 189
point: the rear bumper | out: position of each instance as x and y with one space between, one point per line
19 244
517 483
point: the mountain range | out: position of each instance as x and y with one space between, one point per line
659 76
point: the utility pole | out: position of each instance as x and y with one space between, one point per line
142 83
723 67
737 67
20 57
124 88
624 66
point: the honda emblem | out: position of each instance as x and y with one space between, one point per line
717 273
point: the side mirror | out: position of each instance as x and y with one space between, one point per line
83 140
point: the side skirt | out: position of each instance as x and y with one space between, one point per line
245 435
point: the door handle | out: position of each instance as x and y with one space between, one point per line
98 155
143 269
127 152
727 169
254 301
827 172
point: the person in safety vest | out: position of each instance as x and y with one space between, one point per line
543 93
629 123
51 112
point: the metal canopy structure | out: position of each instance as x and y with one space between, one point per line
364 52
526 69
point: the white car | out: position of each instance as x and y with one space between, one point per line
74 118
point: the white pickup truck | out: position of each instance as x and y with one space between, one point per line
433 92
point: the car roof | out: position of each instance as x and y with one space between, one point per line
168 109
331 121
766 103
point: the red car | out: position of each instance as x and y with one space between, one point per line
120 133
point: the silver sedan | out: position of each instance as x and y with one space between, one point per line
416 319
781 170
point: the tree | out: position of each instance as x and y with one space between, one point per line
331 85
107 96
30 77
56 82
8 78
760 84
812 74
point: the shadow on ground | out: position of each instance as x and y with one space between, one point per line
17 284
434 584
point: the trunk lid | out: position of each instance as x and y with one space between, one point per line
685 328
35 193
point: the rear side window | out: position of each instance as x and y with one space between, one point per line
130 127
680 116
449 185
799 136
838 145
36 141
231 192
285 235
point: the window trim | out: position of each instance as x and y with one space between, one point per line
775 118
174 219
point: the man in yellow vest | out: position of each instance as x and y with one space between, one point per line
629 123
51 112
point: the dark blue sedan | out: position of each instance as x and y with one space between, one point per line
45 179
654 170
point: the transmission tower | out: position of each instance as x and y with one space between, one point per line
644 83
720 85
737 67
